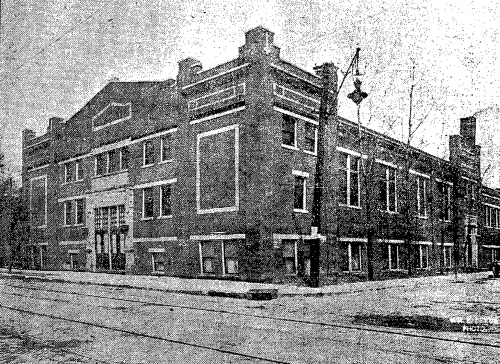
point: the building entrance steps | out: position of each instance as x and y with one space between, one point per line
231 289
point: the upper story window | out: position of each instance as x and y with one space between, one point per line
147 203
111 114
79 170
68 213
299 192
444 193
166 200
310 137
38 201
491 216
111 161
166 148
422 196
289 131
79 212
68 172
348 180
148 153
387 187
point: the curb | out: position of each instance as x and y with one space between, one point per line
211 293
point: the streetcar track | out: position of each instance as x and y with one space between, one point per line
143 335
284 319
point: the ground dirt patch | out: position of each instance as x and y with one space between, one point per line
418 322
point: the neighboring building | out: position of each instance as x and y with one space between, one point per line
212 174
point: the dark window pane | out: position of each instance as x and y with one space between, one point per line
310 137
298 198
69 172
100 164
288 130
114 161
124 158
343 186
148 157
80 215
148 203
166 151
68 213
166 200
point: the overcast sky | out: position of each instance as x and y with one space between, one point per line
55 55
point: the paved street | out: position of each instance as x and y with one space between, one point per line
63 322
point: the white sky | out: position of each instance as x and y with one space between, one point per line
55 55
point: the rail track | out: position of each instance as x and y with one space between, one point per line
332 325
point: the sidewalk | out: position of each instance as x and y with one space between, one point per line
224 288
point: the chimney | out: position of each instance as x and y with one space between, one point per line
259 42
468 129
188 68
54 122
28 135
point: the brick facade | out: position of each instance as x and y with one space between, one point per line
212 174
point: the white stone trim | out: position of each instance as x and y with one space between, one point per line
129 116
423 175
491 246
491 205
233 87
38 168
305 118
296 76
235 207
490 196
155 135
156 250
353 240
72 242
39 142
155 183
445 182
218 237
73 251
300 173
215 76
157 239
111 146
386 163
219 115
71 198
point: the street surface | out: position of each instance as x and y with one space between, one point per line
49 322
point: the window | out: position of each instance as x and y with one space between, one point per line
354 256
158 262
68 211
100 164
68 172
444 191
121 215
393 256
38 201
207 257
495 255
288 127
349 180
422 256
147 203
79 213
113 217
79 171
422 196
148 153
166 200
124 158
98 218
289 256
113 161
447 257
166 148
387 186
310 137
299 195
231 257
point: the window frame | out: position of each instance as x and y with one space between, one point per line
145 145
170 186
421 247
162 148
346 168
390 258
144 217
154 257
68 173
68 209
302 178
422 208
315 138
295 120
387 186
78 170
350 256
80 210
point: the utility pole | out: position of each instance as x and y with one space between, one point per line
327 112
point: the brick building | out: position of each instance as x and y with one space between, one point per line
211 174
